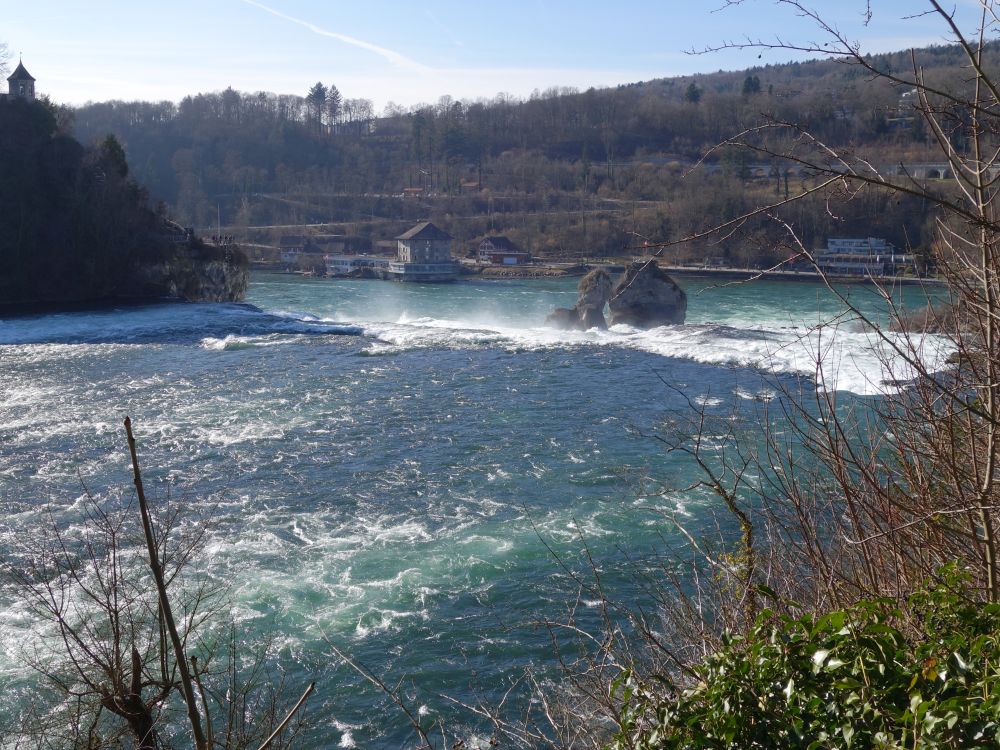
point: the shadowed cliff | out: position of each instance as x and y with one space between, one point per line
75 228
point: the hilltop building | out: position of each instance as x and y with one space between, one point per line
20 84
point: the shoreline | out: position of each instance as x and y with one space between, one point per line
744 274
579 269
734 274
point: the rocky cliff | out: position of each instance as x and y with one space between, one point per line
76 229
594 290
193 277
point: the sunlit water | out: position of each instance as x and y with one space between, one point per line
395 468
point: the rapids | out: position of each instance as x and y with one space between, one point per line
409 472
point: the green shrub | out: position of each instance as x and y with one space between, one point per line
869 676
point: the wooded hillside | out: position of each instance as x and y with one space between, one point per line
566 173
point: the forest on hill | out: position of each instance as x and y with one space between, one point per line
565 173
77 228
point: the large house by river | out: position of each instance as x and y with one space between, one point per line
423 253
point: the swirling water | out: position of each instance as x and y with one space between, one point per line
408 472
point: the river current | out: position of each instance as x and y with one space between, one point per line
409 472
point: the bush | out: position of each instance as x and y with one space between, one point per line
871 675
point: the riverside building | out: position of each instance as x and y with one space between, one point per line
869 256
423 254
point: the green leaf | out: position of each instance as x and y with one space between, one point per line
819 658
789 689
848 731
962 665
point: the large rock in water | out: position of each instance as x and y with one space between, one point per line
595 289
647 297
210 275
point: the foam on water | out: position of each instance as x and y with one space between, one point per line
864 363
400 489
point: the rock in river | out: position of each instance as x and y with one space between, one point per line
647 297
595 289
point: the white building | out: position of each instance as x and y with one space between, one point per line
423 254
866 246
870 256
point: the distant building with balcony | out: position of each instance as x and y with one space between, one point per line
865 246
870 256
423 254
366 266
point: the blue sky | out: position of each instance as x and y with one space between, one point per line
408 52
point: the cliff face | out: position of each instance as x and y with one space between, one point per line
76 229
192 278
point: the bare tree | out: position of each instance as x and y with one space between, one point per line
912 484
126 645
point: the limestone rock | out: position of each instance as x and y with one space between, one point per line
193 278
647 297
594 289
565 318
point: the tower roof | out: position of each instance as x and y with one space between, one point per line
20 73
424 231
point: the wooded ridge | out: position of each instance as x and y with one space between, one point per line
564 173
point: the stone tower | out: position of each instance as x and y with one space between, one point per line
21 84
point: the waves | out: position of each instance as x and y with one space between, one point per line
838 357
232 324
394 467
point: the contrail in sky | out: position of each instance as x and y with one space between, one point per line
394 57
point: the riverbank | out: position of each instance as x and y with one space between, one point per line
748 274
529 271
574 269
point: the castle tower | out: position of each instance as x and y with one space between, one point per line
21 84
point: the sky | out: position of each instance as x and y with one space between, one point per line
413 51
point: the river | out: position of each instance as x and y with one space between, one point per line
409 472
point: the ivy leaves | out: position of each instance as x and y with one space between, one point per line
869 676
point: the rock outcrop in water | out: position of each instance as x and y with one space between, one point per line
647 297
644 297
194 277
595 290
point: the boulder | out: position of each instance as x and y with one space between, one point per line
647 297
565 318
594 291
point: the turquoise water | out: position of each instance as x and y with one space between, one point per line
393 468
